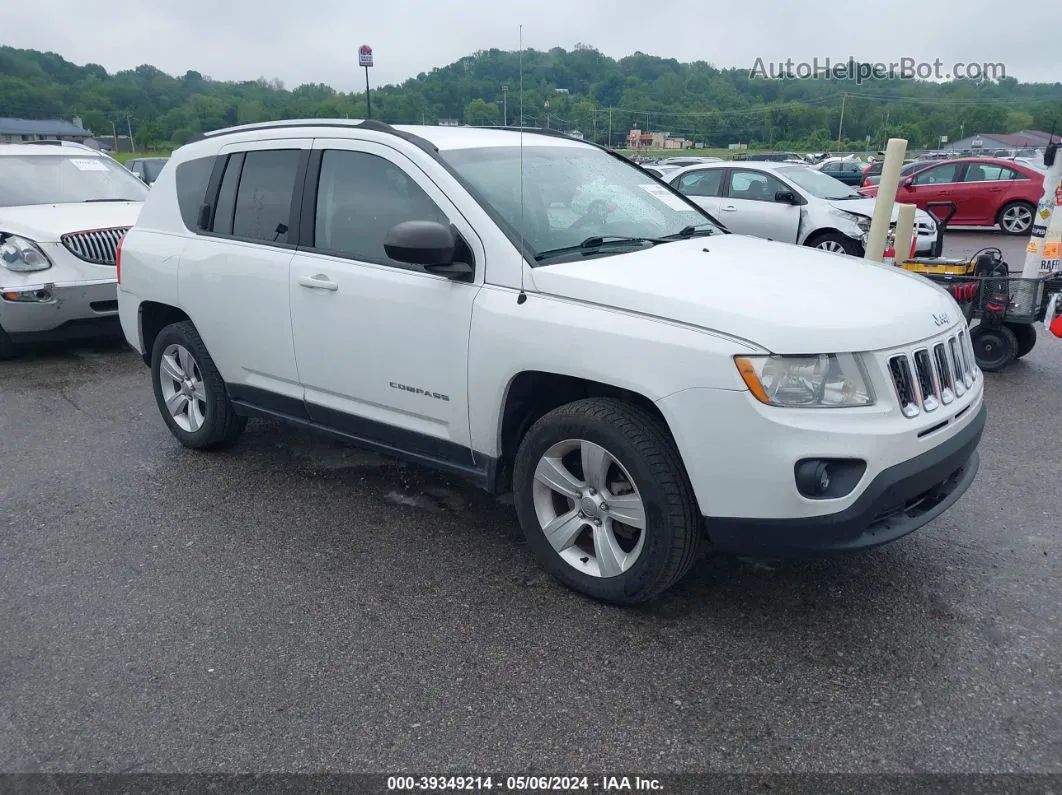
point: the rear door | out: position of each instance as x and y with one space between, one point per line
234 275
748 206
985 188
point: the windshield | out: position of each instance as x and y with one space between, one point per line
818 184
62 179
572 194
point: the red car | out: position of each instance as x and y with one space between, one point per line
986 191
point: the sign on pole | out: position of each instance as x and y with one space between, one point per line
365 55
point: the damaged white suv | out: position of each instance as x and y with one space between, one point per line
62 211
644 381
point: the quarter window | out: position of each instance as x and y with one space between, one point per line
360 197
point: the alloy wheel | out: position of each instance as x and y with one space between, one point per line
182 388
589 508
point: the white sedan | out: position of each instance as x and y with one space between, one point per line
789 202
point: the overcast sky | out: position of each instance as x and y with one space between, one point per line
317 40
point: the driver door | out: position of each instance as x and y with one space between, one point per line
381 346
748 206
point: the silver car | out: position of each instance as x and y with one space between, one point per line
789 202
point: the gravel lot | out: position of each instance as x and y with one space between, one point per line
297 605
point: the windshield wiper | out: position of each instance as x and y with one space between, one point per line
594 242
86 201
845 198
691 230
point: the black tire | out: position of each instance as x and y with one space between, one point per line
221 425
7 347
994 347
1025 333
637 440
1012 228
836 239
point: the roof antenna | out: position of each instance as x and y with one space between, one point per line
522 296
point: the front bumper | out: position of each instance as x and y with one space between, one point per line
55 306
901 499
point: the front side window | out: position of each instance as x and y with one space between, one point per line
940 175
360 197
573 194
66 179
754 186
264 196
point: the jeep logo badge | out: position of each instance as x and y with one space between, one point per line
941 318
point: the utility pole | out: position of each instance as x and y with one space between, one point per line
129 126
840 126
505 105
610 126
547 114
114 135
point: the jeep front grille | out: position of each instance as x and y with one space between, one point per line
929 377
99 246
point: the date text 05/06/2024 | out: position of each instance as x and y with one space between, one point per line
523 783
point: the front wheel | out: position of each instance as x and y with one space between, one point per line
604 501
836 243
190 391
994 347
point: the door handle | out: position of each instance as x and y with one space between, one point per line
730 209
318 282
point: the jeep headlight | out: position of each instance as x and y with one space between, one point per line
22 256
829 380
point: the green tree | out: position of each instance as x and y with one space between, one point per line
479 112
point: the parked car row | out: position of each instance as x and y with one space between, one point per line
790 202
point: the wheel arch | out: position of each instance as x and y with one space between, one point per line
531 394
154 316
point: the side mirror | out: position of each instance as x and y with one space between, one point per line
785 197
907 182
429 244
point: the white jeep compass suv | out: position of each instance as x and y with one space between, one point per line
525 309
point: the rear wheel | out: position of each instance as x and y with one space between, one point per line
836 243
190 391
1016 218
1025 333
604 501
994 347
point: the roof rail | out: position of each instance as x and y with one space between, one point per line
356 124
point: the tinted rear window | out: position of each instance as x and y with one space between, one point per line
263 202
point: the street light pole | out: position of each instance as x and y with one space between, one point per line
505 105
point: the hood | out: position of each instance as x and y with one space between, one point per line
782 297
866 207
46 223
